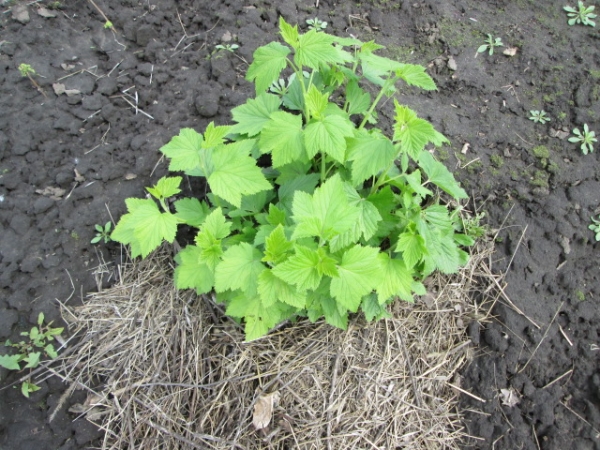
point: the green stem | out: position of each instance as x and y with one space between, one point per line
388 83
298 71
323 168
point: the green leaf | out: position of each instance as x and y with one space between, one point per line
397 279
269 61
325 214
50 351
236 173
412 246
439 175
372 309
371 153
385 202
414 181
300 269
379 65
190 273
332 313
284 137
442 252
40 319
288 33
253 115
165 187
184 150
27 387
10 362
358 100
316 49
32 360
213 230
214 136
276 216
277 247
328 135
302 183
316 101
273 289
239 269
191 211
414 133
359 274
414 75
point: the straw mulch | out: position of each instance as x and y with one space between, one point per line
166 370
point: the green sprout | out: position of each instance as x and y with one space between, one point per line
595 227
27 71
489 45
227 47
316 24
582 15
103 232
108 25
586 138
278 87
539 116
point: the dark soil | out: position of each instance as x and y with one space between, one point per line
538 191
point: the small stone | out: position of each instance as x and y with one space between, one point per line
20 13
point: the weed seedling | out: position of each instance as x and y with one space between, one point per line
102 233
581 15
108 25
489 45
27 71
31 350
539 116
316 24
595 227
585 138
227 47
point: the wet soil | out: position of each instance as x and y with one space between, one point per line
69 159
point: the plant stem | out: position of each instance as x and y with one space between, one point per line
388 83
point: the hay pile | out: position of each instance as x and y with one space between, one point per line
165 369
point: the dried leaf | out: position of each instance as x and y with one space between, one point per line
263 410
78 177
59 88
72 92
130 176
509 397
54 193
46 13
452 64
20 13
67 67
510 51
465 148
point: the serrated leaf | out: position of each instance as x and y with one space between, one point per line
214 135
254 114
413 133
328 135
385 202
326 213
191 211
239 269
415 75
439 218
276 216
284 137
236 173
184 150
442 252
358 100
397 279
414 181
379 65
293 99
412 247
32 360
316 48
213 230
439 175
359 273
301 183
371 153
331 311
190 273
165 187
316 101
217 225
269 61
300 269
372 309
10 362
277 246
288 33
272 289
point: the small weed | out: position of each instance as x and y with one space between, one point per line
580 295
227 47
541 152
316 24
27 71
497 161
489 45
539 116
581 15
585 138
30 351
595 227
108 25
102 233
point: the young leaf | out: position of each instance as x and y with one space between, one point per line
300 269
442 252
213 230
288 33
10 362
359 274
239 269
191 211
325 214
439 175
272 289
284 137
332 313
32 360
40 319
254 114
28 387
372 309
358 100
236 173
184 150
397 279
190 273
412 246
316 49
414 75
413 133
328 134
214 136
370 152
165 187
269 61
50 351
277 247
316 101
414 181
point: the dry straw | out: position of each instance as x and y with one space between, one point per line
167 370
